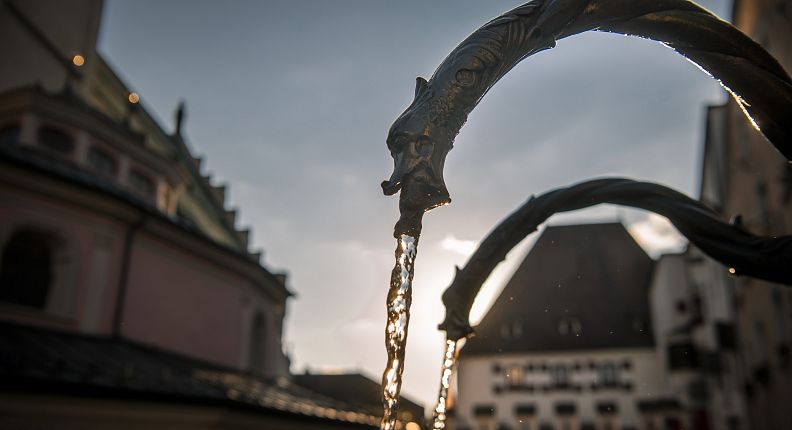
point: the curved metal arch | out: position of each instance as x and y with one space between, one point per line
768 258
422 135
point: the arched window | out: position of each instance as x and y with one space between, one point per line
26 267
56 141
9 135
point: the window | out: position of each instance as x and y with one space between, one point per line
525 414
141 184
55 141
26 268
9 135
607 408
513 330
560 375
565 408
514 375
525 409
102 162
484 410
682 356
569 326
607 375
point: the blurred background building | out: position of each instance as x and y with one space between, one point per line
717 355
129 297
745 179
570 347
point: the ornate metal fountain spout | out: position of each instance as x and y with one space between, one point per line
422 135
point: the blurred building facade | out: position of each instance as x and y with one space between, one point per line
129 297
355 388
571 347
745 179
108 225
694 326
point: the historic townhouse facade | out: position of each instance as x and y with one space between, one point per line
568 344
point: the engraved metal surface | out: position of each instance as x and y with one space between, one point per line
422 135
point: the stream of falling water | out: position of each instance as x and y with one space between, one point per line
398 305
449 362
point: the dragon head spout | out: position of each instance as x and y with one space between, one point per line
419 141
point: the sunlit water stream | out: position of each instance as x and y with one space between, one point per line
449 362
398 305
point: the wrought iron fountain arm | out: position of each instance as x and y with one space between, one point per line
422 135
768 258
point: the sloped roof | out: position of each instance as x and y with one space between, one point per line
590 281
356 389
52 362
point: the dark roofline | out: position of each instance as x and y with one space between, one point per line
202 392
605 276
96 392
327 376
182 149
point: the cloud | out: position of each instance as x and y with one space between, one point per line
464 247
657 235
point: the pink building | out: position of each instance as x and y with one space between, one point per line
108 227
129 298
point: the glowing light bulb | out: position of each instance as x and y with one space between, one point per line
133 98
78 60
732 270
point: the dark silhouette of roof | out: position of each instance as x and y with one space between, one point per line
356 389
580 287
52 362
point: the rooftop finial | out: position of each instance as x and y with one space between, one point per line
181 111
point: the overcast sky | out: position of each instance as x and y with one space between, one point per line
290 103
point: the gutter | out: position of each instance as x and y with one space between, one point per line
123 283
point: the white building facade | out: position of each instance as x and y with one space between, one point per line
569 342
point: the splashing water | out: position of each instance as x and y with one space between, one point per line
449 362
398 305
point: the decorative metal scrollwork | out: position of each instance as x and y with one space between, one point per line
422 135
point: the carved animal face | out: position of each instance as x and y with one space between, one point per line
422 135
419 148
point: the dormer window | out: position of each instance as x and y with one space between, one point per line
55 141
102 162
569 326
